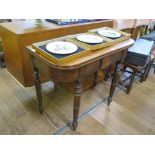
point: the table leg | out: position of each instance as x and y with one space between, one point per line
113 84
38 89
95 78
2 61
76 107
55 86
107 73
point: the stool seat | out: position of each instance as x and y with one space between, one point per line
153 52
149 36
139 53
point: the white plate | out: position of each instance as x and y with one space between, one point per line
88 38
61 47
109 33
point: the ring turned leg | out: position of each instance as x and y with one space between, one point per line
76 107
38 89
113 84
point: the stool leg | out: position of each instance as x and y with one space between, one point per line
131 81
142 77
146 74
107 73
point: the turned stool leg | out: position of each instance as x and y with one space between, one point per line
38 89
113 84
76 107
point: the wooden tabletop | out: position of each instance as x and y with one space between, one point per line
29 26
91 56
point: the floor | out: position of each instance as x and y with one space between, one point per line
127 114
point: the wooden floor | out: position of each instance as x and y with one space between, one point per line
127 114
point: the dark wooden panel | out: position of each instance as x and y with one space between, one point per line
89 69
105 62
115 57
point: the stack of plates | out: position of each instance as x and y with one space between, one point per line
89 38
61 47
109 33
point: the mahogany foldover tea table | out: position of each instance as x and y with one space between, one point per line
74 72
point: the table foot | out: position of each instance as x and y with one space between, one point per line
109 100
74 126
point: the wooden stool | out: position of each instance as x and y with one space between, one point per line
139 60
151 36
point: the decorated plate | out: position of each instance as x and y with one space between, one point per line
88 38
109 33
61 47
